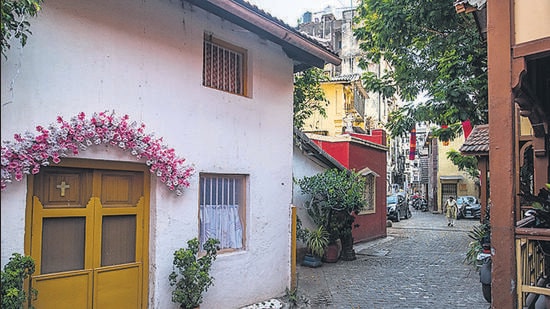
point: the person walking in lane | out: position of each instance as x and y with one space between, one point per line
451 210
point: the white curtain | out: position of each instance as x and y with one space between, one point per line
221 222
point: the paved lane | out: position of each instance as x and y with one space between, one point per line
419 265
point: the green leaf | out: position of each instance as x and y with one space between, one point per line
433 52
191 274
309 98
14 20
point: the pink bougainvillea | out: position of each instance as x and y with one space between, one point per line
28 152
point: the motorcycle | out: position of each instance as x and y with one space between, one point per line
485 264
419 203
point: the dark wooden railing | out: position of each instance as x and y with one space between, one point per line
532 276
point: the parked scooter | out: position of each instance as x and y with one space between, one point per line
485 264
423 204
414 202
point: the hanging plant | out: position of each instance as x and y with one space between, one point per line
30 151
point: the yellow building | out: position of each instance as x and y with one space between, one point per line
346 100
451 180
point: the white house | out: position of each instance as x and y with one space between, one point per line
212 82
308 160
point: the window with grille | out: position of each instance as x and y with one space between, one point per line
370 194
223 66
222 210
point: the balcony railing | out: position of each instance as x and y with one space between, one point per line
532 262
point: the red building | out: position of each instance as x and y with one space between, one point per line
365 154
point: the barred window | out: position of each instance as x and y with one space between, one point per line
223 66
222 210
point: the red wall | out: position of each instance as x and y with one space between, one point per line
337 150
356 156
373 225
377 136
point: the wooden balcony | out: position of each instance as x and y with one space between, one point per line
533 262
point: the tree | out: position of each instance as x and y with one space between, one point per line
308 95
464 163
433 51
14 20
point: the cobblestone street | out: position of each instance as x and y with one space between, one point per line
419 265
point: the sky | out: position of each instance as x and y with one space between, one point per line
290 11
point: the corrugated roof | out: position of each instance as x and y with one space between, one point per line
346 78
478 141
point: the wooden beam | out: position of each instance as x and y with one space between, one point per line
502 150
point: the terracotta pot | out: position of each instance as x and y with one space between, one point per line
332 253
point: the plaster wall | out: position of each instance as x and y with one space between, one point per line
525 127
144 59
531 20
466 185
303 166
333 122
371 225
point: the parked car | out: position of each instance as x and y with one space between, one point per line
404 195
397 208
468 207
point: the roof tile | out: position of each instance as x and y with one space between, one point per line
478 141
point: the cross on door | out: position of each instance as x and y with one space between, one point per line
63 186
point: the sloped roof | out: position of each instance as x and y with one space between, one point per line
311 149
305 51
477 142
367 171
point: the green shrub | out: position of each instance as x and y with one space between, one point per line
14 274
191 276
317 241
334 196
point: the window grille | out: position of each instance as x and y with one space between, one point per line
223 68
221 210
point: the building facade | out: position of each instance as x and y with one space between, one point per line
100 201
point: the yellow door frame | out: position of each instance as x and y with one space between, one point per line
103 165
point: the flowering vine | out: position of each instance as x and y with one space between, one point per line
30 151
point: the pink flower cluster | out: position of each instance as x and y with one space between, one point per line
30 151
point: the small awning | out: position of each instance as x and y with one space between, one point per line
451 178
367 171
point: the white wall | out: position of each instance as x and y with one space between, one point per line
144 59
303 166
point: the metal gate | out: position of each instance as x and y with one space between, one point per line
447 189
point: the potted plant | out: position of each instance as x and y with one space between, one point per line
333 250
191 275
316 242
335 197
13 276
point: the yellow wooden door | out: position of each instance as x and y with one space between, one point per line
88 238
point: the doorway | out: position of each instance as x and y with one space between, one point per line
447 189
89 234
